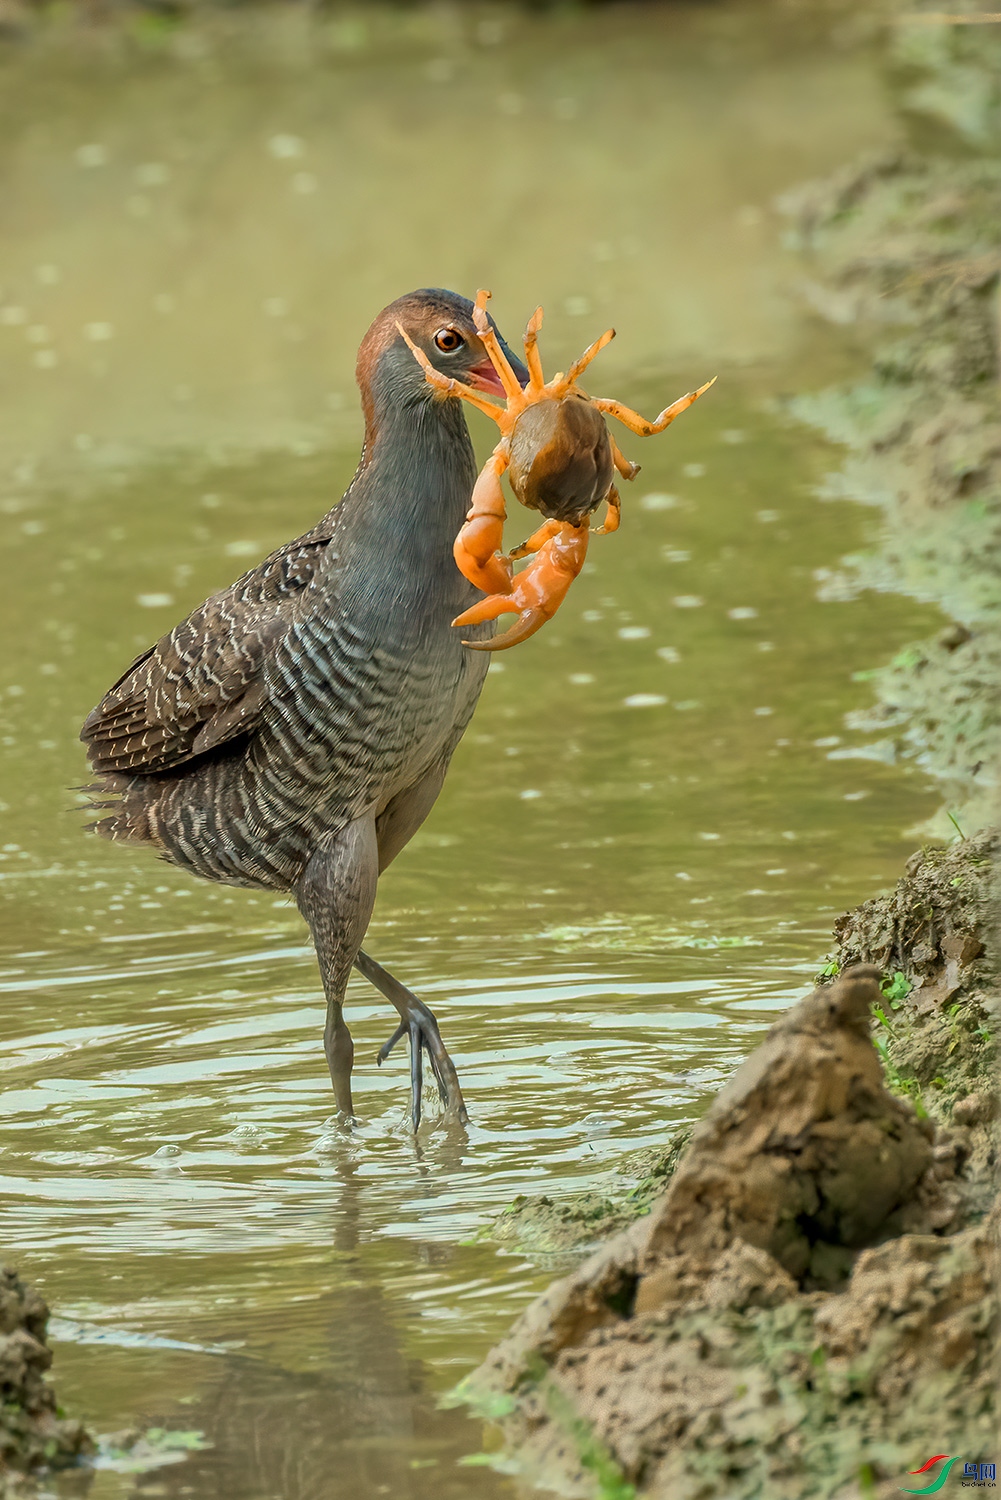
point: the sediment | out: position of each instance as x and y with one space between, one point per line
34 1438
906 250
815 1292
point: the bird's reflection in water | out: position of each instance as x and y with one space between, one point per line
360 1422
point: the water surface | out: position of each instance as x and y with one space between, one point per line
656 813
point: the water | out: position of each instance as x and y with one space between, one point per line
657 811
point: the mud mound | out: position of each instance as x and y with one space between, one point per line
32 1436
939 1021
721 1345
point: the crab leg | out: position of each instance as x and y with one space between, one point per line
580 365
449 387
491 343
640 425
537 378
612 514
538 591
479 541
625 466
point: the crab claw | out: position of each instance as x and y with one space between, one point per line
538 591
476 547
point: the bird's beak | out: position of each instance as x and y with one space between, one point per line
483 377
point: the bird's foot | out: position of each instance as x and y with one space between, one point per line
420 1026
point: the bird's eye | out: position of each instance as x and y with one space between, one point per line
447 340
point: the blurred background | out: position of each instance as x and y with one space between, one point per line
658 809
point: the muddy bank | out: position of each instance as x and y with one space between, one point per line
935 938
907 249
811 1299
34 1437
555 1230
932 1027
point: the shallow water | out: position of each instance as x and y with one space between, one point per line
656 813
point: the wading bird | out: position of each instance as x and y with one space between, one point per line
294 731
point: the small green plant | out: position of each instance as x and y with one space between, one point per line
830 971
896 988
896 1082
492 1405
952 820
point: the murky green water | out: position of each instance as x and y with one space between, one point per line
656 813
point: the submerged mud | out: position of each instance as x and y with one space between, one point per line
813 1296
562 1228
33 1436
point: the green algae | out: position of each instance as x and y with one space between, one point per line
547 1227
911 248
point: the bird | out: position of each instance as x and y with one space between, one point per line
294 731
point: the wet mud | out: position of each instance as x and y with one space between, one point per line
34 1437
561 1229
935 937
813 1296
906 249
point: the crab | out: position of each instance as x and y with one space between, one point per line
561 460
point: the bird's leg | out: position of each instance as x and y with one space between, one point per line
538 591
394 827
479 541
640 425
612 514
418 1022
537 378
336 894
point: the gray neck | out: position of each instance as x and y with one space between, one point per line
412 492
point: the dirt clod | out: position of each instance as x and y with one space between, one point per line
938 1037
810 1249
32 1436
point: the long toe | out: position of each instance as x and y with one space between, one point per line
444 1068
416 1072
387 1047
421 1027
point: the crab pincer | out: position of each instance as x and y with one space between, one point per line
560 459
538 591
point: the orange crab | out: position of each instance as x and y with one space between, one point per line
560 459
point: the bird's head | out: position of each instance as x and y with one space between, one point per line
440 323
